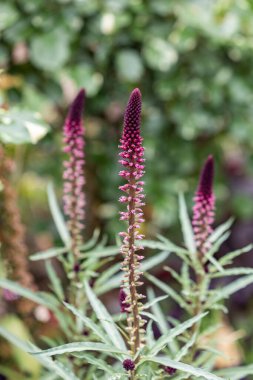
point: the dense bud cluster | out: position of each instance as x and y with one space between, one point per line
74 198
203 209
131 157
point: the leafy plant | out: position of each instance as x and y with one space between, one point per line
96 344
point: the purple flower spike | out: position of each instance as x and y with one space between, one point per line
73 176
203 209
131 157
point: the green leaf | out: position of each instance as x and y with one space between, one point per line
20 127
236 373
88 323
105 318
8 15
129 65
52 365
185 349
153 302
80 347
102 252
85 75
219 231
215 247
232 272
160 54
226 291
50 51
228 258
24 292
162 323
166 338
55 281
186 226
57 216
198 372
98 363
49 253
166 245
168 290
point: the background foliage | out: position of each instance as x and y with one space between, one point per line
193 63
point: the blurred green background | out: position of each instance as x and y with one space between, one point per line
192 60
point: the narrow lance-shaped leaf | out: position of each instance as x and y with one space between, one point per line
52 365
197 372
105 319
165 339
226 291
80 347
186 225
89 323
57 216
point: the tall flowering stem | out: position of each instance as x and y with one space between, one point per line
131 157
74 197
203 209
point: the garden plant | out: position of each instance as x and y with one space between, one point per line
140 341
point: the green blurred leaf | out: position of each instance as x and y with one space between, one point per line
8 15
129 65
51 50
19 127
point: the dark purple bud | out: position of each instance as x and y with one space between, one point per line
171 371
128 365
85 332
76 268
3 377
206 178
122 300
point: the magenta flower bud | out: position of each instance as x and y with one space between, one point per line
74 197
124 306
132 160
171 371
8 295
203 209
128 365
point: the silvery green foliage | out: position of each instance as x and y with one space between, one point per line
100 354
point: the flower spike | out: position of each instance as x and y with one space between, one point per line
203 209
74 198
131 157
